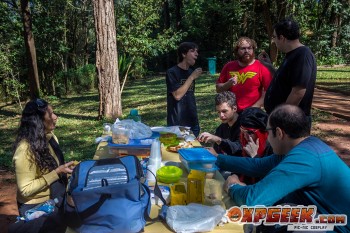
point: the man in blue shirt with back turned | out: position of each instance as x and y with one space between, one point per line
303 170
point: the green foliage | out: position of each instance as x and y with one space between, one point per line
77 80
214 25
64 35
12 88
125 65
12 85
139 32
334 57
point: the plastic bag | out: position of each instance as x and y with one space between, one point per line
180 131
194 217
137 130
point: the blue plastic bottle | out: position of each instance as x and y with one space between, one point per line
42 209
134 114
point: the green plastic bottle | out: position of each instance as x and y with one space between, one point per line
134 114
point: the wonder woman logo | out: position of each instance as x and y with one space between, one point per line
241 78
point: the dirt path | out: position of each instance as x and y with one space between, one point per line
8 205
335 131
335 103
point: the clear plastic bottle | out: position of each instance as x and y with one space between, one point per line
44 208
134 114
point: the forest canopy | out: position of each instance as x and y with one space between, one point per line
147 34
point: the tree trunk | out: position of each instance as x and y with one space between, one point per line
245 23
335 20
281 9
178 17
166 26
269 28
85 31
33 76
107 60
166 14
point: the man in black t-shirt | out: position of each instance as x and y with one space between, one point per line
226 137
180 81
294 81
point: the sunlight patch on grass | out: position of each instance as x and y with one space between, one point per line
334 79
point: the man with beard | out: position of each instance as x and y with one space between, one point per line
246 77
226 137
180 81
302 170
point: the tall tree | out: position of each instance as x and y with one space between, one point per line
107 60
33 76
268 19
179 6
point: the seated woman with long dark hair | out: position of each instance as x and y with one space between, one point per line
40 167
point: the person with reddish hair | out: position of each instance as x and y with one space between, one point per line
246 77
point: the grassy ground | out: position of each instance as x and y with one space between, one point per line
334 79
78 125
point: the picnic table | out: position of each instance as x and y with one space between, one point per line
103 152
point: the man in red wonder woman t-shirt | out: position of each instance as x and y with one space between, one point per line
246 77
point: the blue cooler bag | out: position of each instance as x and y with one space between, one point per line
109 196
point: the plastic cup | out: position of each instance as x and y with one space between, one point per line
107 129
149 176
213 190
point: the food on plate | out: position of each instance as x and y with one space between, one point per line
168 138
175 148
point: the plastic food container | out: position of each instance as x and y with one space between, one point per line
138 147
198 159
169 174
138 151
120 135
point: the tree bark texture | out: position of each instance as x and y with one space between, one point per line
166 13
269 28
107 60
33 76
335 20
178 16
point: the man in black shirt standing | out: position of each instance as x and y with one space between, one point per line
294 81
180 80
